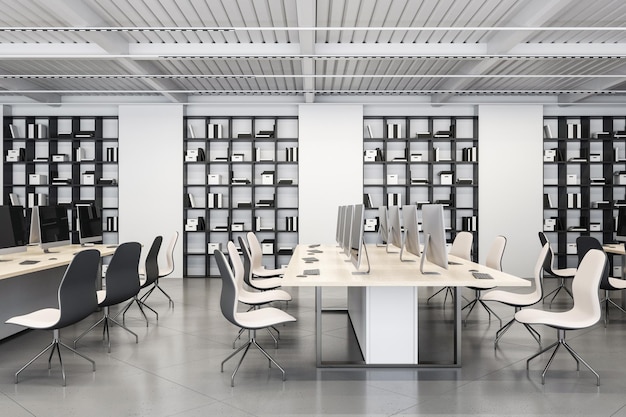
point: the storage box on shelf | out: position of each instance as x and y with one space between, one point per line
244 178
584 159
62 160
421 159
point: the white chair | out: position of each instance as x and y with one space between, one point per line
493 260
76 300
562 274
252 320
585 313
253 299
518 300
256 257
261 284
461 248
166 267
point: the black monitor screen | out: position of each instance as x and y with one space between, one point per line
89 223
54 224
12 227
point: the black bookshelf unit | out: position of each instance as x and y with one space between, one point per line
417 160
240 175
584 157
50 160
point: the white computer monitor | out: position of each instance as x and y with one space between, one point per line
54 226
12 230
411 231
433 228
89 224
383 225
347 225
340 223
395 229
357 245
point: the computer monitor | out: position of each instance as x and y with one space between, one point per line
620 235
383 226
433 228
411 231
54 227
89 224
395 230
12 230
340 223
357 245
347 225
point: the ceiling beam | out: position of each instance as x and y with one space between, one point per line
77 13
307 13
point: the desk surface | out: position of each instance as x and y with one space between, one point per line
616 248
59 256
386 270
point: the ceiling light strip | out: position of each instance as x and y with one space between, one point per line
252 76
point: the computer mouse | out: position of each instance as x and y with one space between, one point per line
52 259
472 270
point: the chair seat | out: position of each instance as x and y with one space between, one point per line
257 298
510 298
573 319
486 287
102 295
262 318
266 283
266 273
618 283
40 319
564 273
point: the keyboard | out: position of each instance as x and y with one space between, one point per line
28 262
312 271
481 275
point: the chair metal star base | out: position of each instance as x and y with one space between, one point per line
607 301
55 345
561 342
557 290
156 286
141 305
448 290
473 304
105 329
251 342
534 333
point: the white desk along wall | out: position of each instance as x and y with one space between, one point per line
385 306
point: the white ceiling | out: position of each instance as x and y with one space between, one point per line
567 51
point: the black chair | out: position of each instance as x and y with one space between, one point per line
561 274
166 269
583 245
122 284
76 300
151 275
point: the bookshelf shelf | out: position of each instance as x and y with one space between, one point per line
582 155
405 161
236 187
49 137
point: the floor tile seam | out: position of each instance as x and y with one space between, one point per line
14 401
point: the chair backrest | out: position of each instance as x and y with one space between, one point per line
462 245
152 261
167 267
549 261
585 287
583 245
122 277
256 252
496 252
77 290
247 262
538 274
235 260
229 295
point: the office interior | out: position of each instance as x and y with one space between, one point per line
332 64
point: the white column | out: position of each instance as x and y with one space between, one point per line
510 178
151 175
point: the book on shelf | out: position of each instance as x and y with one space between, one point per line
37 199
266 133
443 134
577 159
469 154
244 135
112 154
240 181
602 135
190 131
190 201
285 250
394 199
423 135
597 181
36 131
61 181
574 131
14 199
13 131
547 202
214 200
601 204
265 203
244 204
419 180
214 131
394 131
577 229
369 131
367 201
291 223
291 154
464 181
112 223
619 134
285 181
220 229
84 134
547 132
469 223
574 200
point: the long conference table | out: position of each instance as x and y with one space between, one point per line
28 287
387 308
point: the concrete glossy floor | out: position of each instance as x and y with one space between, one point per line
175 369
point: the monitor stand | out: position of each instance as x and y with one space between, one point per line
367 259
424 255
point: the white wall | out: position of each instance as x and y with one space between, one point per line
151 175
510 171
330 166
